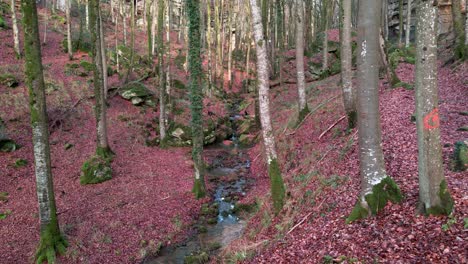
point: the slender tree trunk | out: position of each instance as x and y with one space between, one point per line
231 45
408 24
461 51
132 41
349 94
15 30
87 15
326 7
162 84
69 34
400 24
168 60
433 193
196 95
466 22
209 40
376 187
46 22
124 21
100 107
51 241
149 24
277 185
303 108
117 55
153 27
104 56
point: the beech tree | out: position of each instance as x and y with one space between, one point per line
303 108
274 172
433 192
162 80
196 94
69 34
51 240
14 23
408 24
377 188
461 49
349 95
97 169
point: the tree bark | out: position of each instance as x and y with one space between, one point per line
69 34
162 81
277 185
326 18
376 187
100 107
15 30
408 24
433 193
349 94
303 108
461 51
51 241
196 94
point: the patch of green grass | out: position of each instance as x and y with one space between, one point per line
20 163
450 221
5 214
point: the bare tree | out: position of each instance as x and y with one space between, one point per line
51 241
303 108
15 30
277 185
433 193
349 95
377 188
408 24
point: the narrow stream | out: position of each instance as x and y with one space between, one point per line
228 170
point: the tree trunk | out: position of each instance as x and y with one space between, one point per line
408 24
132 41
400 25
461 51
376 187
466 22
15 30
69 34
104 57
100 107
433 193
162 84
326 18
149 24
51 241
303 108
349 95
277 185
209 40
196 95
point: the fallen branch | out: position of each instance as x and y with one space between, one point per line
332 126
303 219
310 113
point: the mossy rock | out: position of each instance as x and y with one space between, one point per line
135 89
95 170
9 80
460 156
8 145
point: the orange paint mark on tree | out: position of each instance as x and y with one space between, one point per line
431 120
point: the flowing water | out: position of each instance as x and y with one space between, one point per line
228 170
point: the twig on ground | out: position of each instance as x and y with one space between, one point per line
303 219
332 126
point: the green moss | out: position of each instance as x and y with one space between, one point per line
95 170
385 191
51 243
302 114
8 145
352 119
20 163
446 202
277 186
464 128
105 153
460 156
9 80
198 189
2 23
249 208
87 66
198 258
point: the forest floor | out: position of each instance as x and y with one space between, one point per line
149 199
322 179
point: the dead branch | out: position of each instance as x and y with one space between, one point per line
332 126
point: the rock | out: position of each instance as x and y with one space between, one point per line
8 80
137 101
135 89
178 133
